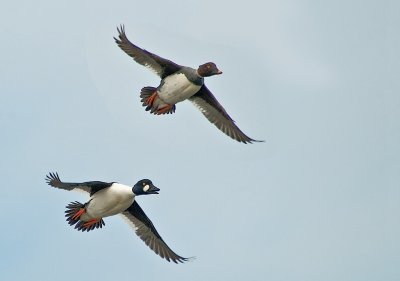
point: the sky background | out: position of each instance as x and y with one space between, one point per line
317 80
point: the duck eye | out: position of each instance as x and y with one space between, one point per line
144 183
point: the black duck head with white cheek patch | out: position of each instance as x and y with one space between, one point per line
145 187
208 69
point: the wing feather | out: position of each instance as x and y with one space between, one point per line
162 67
90 187
145 229
216 114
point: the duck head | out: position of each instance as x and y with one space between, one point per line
208 69
145 187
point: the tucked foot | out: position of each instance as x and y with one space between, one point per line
74 212
153 103
150 100
78 214
166 109
148 95
90 224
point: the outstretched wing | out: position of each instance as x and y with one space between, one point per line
147 232
162 67
217 115
91 186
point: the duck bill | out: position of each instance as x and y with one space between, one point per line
153 190
219 72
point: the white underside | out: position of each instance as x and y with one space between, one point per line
108 202
177 88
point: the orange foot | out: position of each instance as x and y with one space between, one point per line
150 100
78 214
164 109
91 222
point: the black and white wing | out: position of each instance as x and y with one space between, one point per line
91 186
216 114
162 67
145 229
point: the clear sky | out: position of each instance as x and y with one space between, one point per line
317 80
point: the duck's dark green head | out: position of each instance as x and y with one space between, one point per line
145 187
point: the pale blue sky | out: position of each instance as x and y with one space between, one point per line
319 81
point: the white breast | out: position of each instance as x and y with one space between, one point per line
177 88
110 201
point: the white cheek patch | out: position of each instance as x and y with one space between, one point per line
146 187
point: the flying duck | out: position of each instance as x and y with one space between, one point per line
109 199
179 83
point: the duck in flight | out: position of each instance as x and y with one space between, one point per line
108 199
179 83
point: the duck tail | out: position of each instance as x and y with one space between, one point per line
150 100
73 214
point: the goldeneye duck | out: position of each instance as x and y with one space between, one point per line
109 199
179 83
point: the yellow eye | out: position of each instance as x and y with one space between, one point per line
144 184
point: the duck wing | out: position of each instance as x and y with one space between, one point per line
216 114
90 187
162 67
145 229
